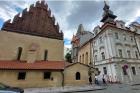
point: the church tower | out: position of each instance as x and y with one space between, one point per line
108 15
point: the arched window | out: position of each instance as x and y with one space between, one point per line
83 58
86 58
19 53
103 55
77 76
80 58
45 55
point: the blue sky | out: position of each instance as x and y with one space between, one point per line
1 23
70 13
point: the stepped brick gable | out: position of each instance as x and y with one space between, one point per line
37 21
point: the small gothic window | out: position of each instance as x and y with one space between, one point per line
19 53
45 54
21 75
77 76
47 75
133 70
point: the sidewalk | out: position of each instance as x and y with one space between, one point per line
135 84
66 89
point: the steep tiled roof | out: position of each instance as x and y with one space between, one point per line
38 65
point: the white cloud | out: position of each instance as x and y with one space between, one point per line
7 13
68 46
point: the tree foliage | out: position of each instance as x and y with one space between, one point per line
68 57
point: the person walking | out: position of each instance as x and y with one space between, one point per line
103 79
90 80
96 80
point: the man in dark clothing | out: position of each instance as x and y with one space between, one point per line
90 80
103 79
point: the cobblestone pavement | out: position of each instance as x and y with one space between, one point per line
120 88
66 89
113 88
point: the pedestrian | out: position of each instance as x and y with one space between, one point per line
96 80
103 79
90 80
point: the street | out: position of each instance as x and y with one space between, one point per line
112 88
118 88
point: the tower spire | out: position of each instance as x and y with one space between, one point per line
105 2
108 15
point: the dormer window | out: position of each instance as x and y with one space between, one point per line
96 31
121 25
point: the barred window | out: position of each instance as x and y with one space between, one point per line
47 75
21 75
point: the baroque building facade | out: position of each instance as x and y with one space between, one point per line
116 49
31 52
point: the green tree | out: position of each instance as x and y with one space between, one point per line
68 57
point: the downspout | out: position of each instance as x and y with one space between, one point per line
91 63
63 76
62 73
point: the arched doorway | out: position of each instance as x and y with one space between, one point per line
77 76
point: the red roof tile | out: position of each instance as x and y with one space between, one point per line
38 65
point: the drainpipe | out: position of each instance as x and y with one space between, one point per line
91 60
62 73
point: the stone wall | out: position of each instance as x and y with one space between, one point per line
33 47
70 72
33 79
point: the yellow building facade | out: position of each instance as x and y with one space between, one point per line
84 53
34 78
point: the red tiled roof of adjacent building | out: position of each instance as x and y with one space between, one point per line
38 65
